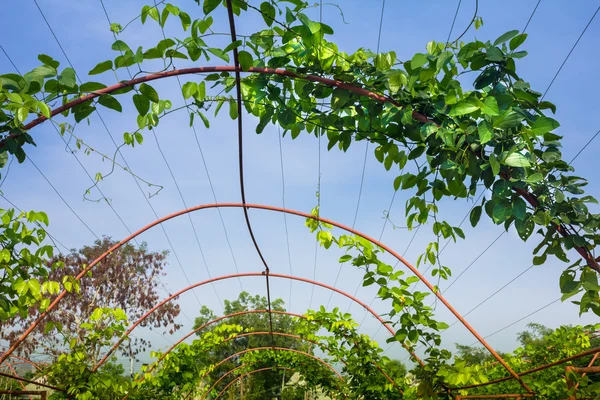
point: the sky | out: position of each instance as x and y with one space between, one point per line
201 166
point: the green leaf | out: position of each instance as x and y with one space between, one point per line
463 107
149 92
501 213
201 92
110 102
517 41
490 106
120 45
232 45
142 103
543 125
268 12
204 120
418 60
507 36
91 86
44 109
219 53
339 98
210 5
475 215
47 60
189 89
245 60
517 160
68 77
397 182
519 208
486 132
233 109
185 19
396 80
205 24
101 67
494 164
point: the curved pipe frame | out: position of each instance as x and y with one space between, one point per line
529 197
248 374
239 353
214 321
282 210
225 277
155 364
289 335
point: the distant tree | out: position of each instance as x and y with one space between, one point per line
127 279
396 370
473 354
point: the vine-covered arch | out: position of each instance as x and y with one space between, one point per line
276 209
496 135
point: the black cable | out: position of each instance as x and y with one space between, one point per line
454 21
570 52
531 16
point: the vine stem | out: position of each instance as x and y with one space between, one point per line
530 198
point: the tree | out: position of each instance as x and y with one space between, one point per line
128 279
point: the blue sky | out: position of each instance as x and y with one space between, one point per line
82 30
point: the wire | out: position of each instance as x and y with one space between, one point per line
584 147
150 204
287 238
519 320
113 141
470 24
364 167
63 199
189 217
454 21
492 295
181 195
531 16
570 52
474 261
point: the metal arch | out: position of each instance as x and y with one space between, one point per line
240 275
527 196
153 366
324 363
250 373
214 321
316 343
292 212
223 377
